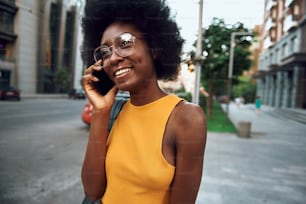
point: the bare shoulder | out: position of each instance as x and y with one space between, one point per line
189 113
188 121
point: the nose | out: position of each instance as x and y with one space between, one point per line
114 58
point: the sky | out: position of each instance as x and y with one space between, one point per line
248 12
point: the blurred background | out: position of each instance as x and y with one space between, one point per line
252 80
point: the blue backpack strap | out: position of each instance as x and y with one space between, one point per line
88 201
115 111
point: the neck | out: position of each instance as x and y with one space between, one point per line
146 96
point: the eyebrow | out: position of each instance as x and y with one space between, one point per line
104 44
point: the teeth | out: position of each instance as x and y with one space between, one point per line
122 71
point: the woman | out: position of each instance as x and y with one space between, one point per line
257 104
154 151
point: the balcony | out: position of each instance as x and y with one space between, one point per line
271 4
8 5
293 58
10 37
288 3
289 24
270 24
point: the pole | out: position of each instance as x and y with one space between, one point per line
195 97
230 71
230 66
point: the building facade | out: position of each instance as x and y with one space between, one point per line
281 76
39 45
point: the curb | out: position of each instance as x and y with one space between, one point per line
44 96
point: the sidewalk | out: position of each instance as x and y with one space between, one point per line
269 167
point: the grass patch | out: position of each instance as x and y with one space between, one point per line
218 121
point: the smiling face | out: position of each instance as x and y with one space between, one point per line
130 73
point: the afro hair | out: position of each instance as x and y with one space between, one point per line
151 17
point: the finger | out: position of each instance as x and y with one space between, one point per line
88 70
99 62
97 66
90 77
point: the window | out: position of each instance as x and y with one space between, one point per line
295 12
6 21
272 58
293 45
272 34
273 14
284 50
276 55
2 49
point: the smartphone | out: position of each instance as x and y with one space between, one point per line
105 83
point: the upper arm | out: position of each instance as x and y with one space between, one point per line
190 138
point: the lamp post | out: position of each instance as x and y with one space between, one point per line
230 65
195 96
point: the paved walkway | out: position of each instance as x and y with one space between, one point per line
269 167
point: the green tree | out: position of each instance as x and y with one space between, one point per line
216 52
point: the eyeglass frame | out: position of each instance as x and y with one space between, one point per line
112 48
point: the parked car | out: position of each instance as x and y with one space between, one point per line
79 94
87 109
10 93
76 94
86 113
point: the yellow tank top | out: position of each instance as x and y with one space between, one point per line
136 170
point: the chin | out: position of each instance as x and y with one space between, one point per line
126 86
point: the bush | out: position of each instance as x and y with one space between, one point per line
62 80
202 102
246 88
185 95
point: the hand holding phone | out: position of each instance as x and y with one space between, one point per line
104 84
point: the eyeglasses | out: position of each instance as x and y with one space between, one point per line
124 46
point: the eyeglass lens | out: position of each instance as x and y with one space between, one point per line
123 46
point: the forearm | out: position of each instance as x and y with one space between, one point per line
185 190
93 170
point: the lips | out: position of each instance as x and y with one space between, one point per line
121 72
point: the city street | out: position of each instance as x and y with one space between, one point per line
42 145
250 56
